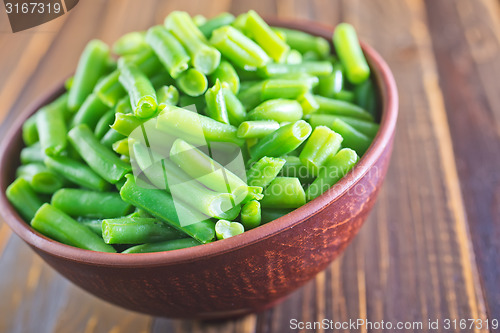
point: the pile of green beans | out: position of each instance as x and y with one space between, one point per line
297 116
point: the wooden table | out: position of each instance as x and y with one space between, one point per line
430 249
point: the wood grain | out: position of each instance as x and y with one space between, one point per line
429 249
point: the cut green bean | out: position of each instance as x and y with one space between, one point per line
308 103
283 88
204 57
51 127
332 84
170 245
131 43
368 128
293 57
167 95
90 112
334 169
216 104
194 127
238 48
137 230
350 53
254 193
102 160
141 91
76 172
32 154
341 108
225 229
41 179
322 144
126 123
315 68
280 110
57 225
90 204
251 215
226 73
262 33
30 131
251 96
121 147
235 110
103 125
192 82
169 50
214 23
111 137
282 141
257 128
199 20
123 106
23 198
366 97
95 225
346 95
160 204
304 42
284 192
264 171
92 65
352 138
294 168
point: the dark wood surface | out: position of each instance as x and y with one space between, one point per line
430 249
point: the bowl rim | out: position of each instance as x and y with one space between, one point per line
389 94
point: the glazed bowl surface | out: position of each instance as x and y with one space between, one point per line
246 273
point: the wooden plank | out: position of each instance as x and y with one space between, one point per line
467 57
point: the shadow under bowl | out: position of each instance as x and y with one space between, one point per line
246 273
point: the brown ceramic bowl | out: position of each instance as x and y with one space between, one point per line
246 273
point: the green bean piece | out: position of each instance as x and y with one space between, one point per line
304 42
282 141
90 204
293 57
23 198
264 171
76 172
111 137
240 21
170 245
51 127
352 138
251 96
256 128
225 229
308 103
30 131
306 79
315 68
124 106
283 88
226 73
251 215
100 159
104 123
137 230
95 225
41 179
214 23
280 110
141 91
192 82
57 225
32 154
350 53
194 127
235 110
204 57
126 123
332 84
207 171
366 97
322 144
167 95
131 43
333 171
92 65
346 95
261 32
169 50
269 215
341 108
238 48
284 192
121 147
90 112
294 168
216 104
160 204
254 193
368 128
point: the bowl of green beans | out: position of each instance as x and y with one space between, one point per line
204 168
